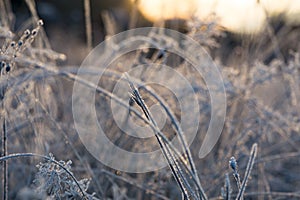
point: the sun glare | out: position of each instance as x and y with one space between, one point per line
243 16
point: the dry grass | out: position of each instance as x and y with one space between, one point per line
261 129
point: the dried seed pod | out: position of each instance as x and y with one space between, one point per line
7 68
20 43
13 44
34 32
27 32
40 23
233 163
2 65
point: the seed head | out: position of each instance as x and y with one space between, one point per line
40 23
12 44
27 32
233 163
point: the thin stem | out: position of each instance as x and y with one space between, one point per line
227 188
88 24
4 144
5 165
248 171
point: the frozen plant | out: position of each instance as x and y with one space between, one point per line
54 181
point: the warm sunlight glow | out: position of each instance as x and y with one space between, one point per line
243 16
166 9
293 12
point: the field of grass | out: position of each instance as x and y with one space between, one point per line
44 154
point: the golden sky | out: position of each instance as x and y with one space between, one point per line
244 16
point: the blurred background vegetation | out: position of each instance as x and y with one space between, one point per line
65 26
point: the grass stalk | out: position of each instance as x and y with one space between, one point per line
250 164
181 180
227 188
88 24
5 165
4 143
